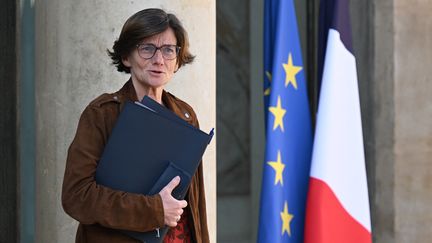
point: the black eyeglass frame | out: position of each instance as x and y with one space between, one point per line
177 50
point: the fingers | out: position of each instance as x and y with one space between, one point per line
183 204
173 215
173 221
173 208
172 184
171 224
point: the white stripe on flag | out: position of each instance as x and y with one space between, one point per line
338 156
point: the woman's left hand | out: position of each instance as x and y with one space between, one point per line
173 208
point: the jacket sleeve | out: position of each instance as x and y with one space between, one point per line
90 203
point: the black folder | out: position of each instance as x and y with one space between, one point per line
148 146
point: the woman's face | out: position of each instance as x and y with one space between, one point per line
155 72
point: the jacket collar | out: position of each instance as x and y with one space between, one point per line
128 93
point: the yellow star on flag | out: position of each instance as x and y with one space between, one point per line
279 167
278 113
286 220
291 72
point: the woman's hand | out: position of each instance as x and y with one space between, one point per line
173 208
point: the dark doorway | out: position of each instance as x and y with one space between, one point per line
8 138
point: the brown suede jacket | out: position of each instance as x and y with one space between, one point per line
100 209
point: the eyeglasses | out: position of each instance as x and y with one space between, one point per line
147 51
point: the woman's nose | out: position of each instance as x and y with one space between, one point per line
158 57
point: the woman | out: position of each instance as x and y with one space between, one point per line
152 46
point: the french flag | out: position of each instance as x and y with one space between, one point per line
337 209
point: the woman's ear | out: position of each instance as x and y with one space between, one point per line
125 61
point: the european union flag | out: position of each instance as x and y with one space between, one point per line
288 128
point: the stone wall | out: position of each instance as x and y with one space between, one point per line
392 40
413 120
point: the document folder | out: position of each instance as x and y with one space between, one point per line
162 111
148 146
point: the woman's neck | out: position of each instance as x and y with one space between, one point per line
152 92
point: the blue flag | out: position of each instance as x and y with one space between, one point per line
288 128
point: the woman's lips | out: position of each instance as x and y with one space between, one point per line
156 73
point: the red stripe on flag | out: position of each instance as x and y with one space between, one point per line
327 221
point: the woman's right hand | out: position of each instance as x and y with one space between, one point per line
173 208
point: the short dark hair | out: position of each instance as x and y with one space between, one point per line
144 24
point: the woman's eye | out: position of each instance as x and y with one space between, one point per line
169 50
147 48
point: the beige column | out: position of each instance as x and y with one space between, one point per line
72 68
413 120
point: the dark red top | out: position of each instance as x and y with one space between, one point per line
180 233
